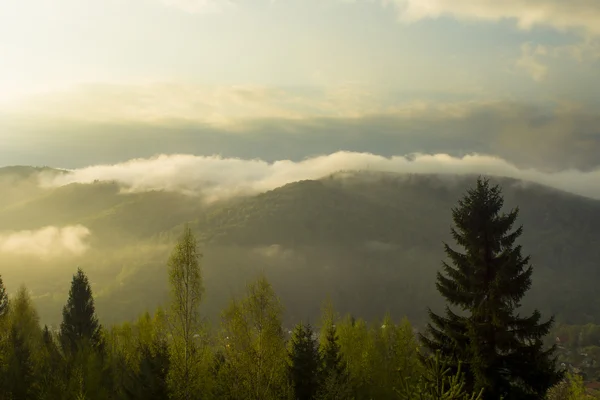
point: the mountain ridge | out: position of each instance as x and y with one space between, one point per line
371 241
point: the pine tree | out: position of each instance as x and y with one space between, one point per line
502 352
304 362
80 324
335 380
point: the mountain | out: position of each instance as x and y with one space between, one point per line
370 241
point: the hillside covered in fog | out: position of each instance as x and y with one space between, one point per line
370 241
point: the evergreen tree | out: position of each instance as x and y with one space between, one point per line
304 363
331 354
503 352
80 324
335 381
24 343
149 380
436 383
21 380
52 371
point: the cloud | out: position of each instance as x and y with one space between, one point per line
529 62
105 123
205 6
199 6
122 124
213 105
587 50
579 15
217 106
275 251
46 242
219 178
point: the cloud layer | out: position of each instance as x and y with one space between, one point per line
217 178
47 242
559 14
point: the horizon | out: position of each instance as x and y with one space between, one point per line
217 177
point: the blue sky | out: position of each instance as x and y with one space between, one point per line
81 78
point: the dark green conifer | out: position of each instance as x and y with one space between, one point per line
149 381
52 370
334 375
502 352
21 383
80 324
304 363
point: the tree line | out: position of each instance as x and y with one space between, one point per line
481 348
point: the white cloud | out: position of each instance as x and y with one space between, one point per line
530 63
582 15
217 178
46 242
588 50
199 6
212 105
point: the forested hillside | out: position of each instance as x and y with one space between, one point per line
370 241
484 346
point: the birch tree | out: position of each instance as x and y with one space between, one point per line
254 346
187 290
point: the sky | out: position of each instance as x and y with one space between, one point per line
229 97
84 82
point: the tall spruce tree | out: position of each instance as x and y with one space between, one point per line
502 352
304 363
80 324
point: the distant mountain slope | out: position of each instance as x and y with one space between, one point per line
102 208
407 209
371 241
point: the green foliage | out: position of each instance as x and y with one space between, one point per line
503 352
304 363
393 357
188 349
335 378
21 378
21 383
253 345
149 380
437 383
80 324
175 355
377 234
52 368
